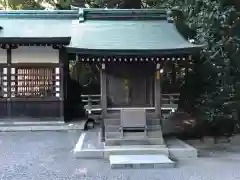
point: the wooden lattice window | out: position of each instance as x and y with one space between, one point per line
35 82
3 82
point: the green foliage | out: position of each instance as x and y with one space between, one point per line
35 4
216 24
82 73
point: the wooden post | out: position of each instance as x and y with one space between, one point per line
9 85
65 89
151 96
89 102
103 79
157 91
63 61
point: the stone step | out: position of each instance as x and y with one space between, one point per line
114 121
127 142
155 133
132 135
140 161
136 138
137 149
118 118
149 115
116 128
92 152
113 115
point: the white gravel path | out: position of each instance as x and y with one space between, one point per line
48 156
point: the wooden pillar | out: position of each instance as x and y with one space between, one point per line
151 95
157 91
103 79
9 65
63 60
66 103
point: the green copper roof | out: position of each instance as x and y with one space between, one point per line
128 35
98 30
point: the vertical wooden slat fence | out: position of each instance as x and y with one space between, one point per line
3 91
35 91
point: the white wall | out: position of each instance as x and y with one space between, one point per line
33 54
3 55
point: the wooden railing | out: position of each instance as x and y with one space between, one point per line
170 98
92 102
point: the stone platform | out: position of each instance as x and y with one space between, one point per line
89 146
179 149
28 125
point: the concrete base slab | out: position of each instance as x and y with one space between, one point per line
140 161
179 150
89 146
135 149
89 154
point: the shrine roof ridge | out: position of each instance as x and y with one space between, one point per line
96 31
42 14
124 14
84 14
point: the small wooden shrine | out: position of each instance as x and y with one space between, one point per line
131 48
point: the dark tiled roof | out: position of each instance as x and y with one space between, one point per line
98 29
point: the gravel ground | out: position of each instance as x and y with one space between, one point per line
47 156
